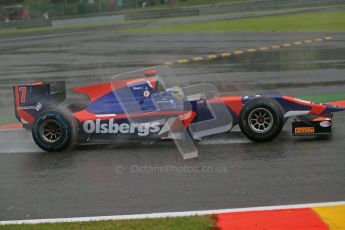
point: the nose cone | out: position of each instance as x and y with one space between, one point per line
337 103
335 107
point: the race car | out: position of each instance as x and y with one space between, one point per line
140 108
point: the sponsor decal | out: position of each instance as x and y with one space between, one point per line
146 93
325 124
111 127
301 130
138 87
37 107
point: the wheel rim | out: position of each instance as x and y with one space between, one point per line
260 120
50 131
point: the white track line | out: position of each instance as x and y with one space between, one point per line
8 130
170 214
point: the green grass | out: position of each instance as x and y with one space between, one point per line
7 119
197 3
325 97
180 223
333 21
306 22
209 2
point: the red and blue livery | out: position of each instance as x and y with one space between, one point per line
112 114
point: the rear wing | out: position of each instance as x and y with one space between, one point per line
31 99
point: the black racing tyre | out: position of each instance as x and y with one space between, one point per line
53 131
261 120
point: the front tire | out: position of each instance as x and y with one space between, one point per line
52 131
261 120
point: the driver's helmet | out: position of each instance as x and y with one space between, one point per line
174 91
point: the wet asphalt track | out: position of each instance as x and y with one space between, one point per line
230 171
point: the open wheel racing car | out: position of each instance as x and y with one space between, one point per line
139 107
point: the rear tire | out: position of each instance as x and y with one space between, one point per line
53 131
261 120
